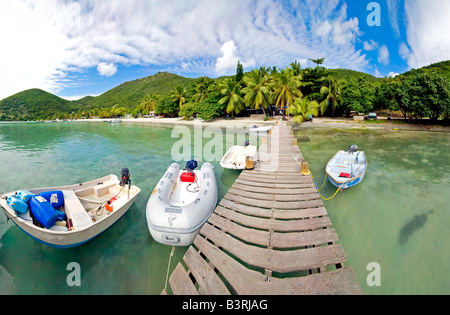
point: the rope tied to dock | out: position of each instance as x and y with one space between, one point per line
318 189
168 267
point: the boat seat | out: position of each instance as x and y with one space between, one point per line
75 210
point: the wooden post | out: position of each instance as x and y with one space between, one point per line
263 140
249 164
305 168
294 141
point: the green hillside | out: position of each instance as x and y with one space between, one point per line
34 104
131 93
346 74
442 67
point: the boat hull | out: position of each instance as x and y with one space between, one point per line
74 238
353 165
178 222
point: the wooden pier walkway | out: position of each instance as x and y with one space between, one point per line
270 234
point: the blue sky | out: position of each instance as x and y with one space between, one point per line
86 47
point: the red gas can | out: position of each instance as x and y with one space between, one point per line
187 177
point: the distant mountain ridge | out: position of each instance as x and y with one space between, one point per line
36 104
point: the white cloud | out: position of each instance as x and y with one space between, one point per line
383 55
371 45
226 64
392 74
48 41
427 25
106 69
393 6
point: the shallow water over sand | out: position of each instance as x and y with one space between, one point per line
399 216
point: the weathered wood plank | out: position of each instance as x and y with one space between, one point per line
208 281
300 239
274 204
180 282
273 185
276 225
317 211
244 233
277 191
275 197
245 281
275 260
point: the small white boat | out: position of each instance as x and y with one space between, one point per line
181 203
235 157
347 168
260 129
88 209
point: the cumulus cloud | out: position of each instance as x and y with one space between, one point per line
427 25
49 41
392 74
370 45
226 64
106 69
383 55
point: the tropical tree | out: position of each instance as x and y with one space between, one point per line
232 98
296 68
179 95
333 95
303 108
285 89
201 89
257 90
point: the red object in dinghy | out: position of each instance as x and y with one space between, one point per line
344 175
187 177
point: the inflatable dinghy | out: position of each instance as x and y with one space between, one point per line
236 156
181 203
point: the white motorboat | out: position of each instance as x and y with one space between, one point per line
347 168
235 157
260 129
181 203
69 216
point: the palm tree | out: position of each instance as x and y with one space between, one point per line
257 92
231 92
179 95
201 89
295 68
285 89
333 95
303 108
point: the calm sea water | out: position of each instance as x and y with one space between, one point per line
399 216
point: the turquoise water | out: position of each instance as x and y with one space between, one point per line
399 216
122 260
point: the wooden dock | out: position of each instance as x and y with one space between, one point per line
269 235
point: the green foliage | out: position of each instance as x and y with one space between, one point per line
358 94
303 108
422 93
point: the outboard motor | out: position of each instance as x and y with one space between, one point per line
125 177
353 148
191 165
189 175
245 143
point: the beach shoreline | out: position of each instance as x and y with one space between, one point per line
317 123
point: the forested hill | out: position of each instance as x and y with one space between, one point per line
129 94
34 104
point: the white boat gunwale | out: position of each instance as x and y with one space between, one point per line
345 181
45 235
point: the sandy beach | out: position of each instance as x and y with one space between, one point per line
319 122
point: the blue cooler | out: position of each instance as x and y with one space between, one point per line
43 211
17 204
24 195
56 198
